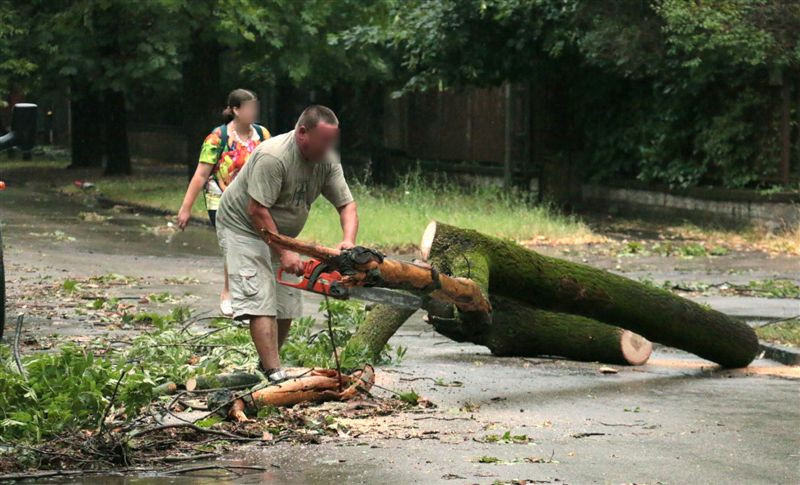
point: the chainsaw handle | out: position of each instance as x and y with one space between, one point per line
300 284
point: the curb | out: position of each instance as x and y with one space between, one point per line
144 209
784 355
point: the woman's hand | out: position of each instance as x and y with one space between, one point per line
183 217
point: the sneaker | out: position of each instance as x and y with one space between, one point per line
226 307
274 376
277 376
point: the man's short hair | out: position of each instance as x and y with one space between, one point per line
311 116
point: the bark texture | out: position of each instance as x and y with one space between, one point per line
381 323
507 270
318 386
519 330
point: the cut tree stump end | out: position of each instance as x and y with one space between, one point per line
427 241
635 348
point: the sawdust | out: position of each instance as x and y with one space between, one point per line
756 369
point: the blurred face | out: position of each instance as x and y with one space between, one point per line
318 141
247 112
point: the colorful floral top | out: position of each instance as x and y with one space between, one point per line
228 161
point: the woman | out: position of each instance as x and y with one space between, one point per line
223 154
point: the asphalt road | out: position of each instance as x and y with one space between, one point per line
677 419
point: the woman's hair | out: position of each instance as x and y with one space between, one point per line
235 100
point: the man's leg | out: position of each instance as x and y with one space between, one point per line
265 334
283 330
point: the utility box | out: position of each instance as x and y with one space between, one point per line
23 128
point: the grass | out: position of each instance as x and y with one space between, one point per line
164 192
391 217
395 217
787 332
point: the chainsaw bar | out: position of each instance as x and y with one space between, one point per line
384 295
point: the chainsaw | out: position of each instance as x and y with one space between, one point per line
318 277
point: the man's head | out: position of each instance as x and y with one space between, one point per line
316 131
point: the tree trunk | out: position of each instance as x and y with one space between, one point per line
519 330
463 313
116 130
202 99
85 127
785 131
507 270
381 323
220 381
2 288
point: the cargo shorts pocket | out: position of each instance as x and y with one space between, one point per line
250 281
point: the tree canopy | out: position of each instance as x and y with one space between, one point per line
666 91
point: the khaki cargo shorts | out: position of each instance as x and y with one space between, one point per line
252 276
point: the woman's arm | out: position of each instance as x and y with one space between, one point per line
199 179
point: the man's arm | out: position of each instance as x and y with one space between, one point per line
348 216
261 219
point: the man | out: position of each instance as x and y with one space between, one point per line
274 192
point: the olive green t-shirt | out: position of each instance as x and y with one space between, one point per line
278 177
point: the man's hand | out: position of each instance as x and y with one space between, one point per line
183 217
291 263
345 245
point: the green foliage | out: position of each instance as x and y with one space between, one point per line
786 333
417 199
71 388
69 285
674 92
409 397
507 438
309 343
15 64
774 288
63 390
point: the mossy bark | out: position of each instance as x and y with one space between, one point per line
508 270
381 322
516 330
223 381
520 330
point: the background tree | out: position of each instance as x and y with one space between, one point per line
16 66
676 92
104 51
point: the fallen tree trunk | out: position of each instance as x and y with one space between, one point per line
506 270
517 330
227 381
549 334
318 386
381 322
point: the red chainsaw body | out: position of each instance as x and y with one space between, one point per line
317 279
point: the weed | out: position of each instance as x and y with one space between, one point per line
69 285
507 438
70 389
786 332
410 397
